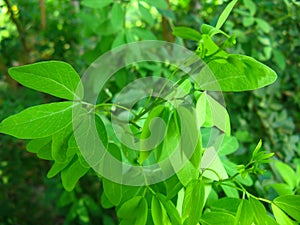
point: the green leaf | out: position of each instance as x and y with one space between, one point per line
244 215
52 77
161 4
45 153
153 132
134 210
211 31
226 205
249 4
60 144
263 25
187 33
212 161
146 15
235 73
173 186
170 208
217 218
117 15
119 40
105 203
159 214
211 113
193 202
96 4
229 145
128 209
270 221
224 15
187 173
259 211
72 174
113 190
57 167
91 139
39 121
283 189
281 217
289 204
229 189
35 145
171 140
287 173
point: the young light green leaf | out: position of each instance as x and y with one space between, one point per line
257 148
187 33
39 121
259 211
281 217
159 214
52 77
287 173
117 15
170 208
217 218
193 202
224 15
95 4
71 174
234 73
290 204
244 215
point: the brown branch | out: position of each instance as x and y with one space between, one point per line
43 14
20 30
166 29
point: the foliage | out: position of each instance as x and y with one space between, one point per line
223 192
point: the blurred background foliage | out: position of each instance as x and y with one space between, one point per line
79 31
